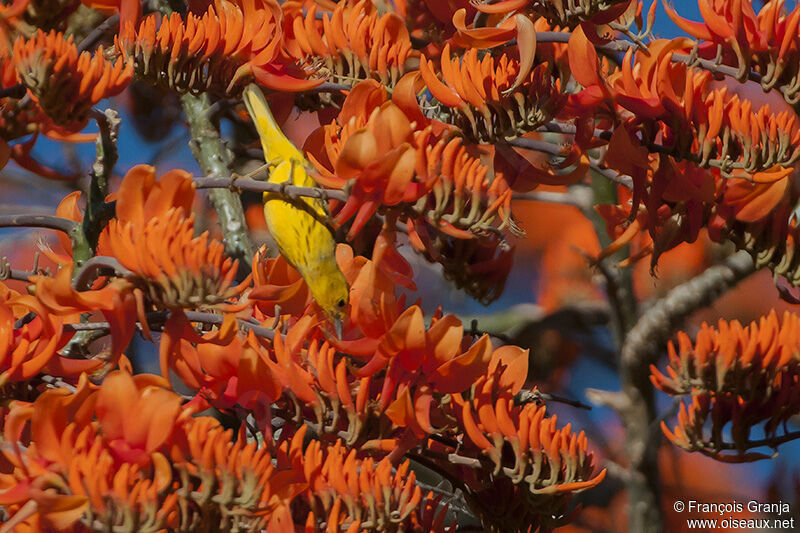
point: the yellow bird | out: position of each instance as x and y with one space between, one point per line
298 226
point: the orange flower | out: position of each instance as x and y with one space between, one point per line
66 85
753 201
277 285
745 377
649 85
492 98
396 158
483 37
115 300
135 421
129 445
570 13
229 46
153 238
223 366
353 43
184 271
30 338
344 489
733 26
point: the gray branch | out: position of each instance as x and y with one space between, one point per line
635 402
216 160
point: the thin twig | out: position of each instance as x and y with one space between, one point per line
236 183
6 272
540 146
772 442
97 33
329 87
713 67
90 269
562 150
38 221
155 319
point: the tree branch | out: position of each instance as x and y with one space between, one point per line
39 221
236 183
216 160
157 318
98 212
84 276
635 402
562 150
97 33
6 272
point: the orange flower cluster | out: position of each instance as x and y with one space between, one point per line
30 338
700 120
17 120
65 84
421 170
389 385
767 42
127 456
492 99
153 238
532 485
746 377
164 266
701 153
432 21
362 494
353 43
229 46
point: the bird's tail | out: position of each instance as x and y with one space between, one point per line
277 147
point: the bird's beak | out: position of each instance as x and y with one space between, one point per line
337 326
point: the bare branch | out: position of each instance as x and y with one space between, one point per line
647 338
156 319
6 272
635 401
39 221
89 271
96 34
236 183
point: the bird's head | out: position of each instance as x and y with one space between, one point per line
332 295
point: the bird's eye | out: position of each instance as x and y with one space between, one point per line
340 303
